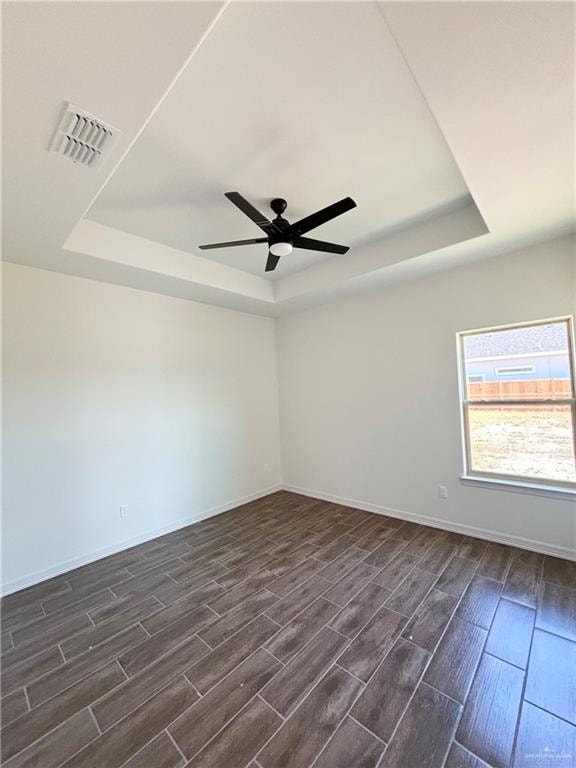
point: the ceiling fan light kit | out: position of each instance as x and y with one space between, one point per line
281 249
282 236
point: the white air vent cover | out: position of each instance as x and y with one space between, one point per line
83 138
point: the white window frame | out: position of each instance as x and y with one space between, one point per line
520 481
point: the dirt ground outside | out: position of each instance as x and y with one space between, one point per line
532 441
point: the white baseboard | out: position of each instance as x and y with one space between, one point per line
469 530
501 538
35 578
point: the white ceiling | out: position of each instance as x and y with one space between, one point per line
302 112
451 124
98 56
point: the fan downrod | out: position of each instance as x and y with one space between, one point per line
278 205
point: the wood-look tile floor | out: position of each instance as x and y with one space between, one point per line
293 632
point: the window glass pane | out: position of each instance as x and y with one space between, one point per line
529 363
532 441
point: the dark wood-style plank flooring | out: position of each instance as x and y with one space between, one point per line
294 632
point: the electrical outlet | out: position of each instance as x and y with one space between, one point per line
123 510
443 491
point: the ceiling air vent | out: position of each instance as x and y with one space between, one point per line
83 138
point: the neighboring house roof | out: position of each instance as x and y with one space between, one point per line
517 341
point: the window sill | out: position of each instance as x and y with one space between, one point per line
516 486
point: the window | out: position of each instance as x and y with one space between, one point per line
520 426
510 370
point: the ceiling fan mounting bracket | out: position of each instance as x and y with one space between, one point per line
278 205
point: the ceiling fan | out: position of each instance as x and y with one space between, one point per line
282 236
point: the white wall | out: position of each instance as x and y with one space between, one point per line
115 396
369 406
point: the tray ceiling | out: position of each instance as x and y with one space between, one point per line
282 100
451 124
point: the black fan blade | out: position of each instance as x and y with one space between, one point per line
318 245
271 262
320 217
234 242
252 213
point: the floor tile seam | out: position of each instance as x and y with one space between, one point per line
473 678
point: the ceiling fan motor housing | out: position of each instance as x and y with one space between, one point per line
278 205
